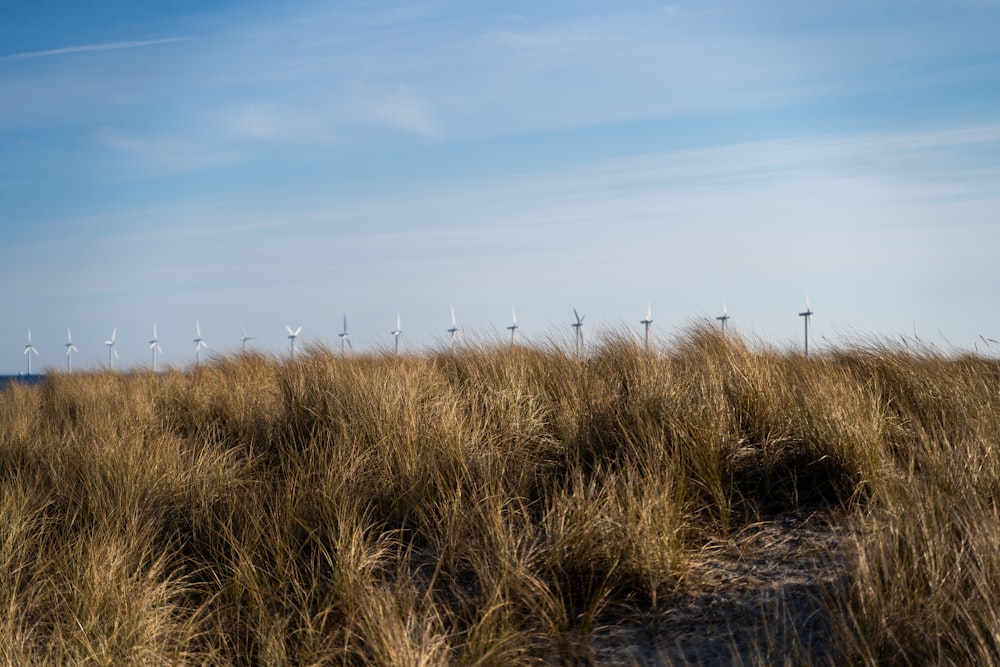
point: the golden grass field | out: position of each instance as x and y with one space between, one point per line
497 506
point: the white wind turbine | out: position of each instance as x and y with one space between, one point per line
513 326
345 339
244 338
723 318
454 328
112 352
646 322
154 346
199 343
578 325
396 333
29 350
292 335
806 314
70 349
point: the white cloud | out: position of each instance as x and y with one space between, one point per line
403 109
280 124
257 123
557 42
157 154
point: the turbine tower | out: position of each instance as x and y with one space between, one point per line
70 349
396 332
244 338
723 318
646 322
578 325
199 343
29 349
345 338
112 352
154 346
513 327
806 314
454 328
292 335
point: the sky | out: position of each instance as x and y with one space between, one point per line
263 164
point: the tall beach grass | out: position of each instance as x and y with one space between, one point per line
488 505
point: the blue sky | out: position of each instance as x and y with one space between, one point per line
263 164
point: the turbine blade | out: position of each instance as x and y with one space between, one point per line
453 316
289 329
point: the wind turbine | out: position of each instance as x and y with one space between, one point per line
578 325
646 322
344 337
70 349
29 349
112 352
723 318
154 346
244 338
396 332
806 314
199 343
292 335
454 328
513 327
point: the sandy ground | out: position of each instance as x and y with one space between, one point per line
752 598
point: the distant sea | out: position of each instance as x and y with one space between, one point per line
34 378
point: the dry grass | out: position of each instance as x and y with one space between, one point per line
491 506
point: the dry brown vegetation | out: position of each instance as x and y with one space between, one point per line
493 506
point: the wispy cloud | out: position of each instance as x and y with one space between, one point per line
150 154
279 124
88 48
405 110
883 204
562 41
